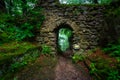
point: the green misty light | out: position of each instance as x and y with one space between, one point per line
63 38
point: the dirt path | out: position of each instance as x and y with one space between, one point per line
49 68
65 70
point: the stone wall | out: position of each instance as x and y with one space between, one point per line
86 21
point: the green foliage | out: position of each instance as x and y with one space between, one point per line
46 49
101 68
93 68
13 49
17 65
113 50
20 28
85 1
20 33
105 1
13 7
28 57
69 1
112 12
31 56
19 7
16 55
113 75
3 36
15 78
78 57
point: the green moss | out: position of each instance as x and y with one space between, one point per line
46 49
13 49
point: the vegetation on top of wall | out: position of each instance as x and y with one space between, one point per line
85 2
76 5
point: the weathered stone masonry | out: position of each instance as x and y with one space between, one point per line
87 23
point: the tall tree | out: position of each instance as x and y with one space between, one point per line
95 1
2 5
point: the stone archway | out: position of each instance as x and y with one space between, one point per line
53 22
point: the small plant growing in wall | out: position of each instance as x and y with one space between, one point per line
78 57
46 49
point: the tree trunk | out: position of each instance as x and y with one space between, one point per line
2 5
95 1
24 9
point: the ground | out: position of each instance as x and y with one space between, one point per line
66 70
49 68
60 67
